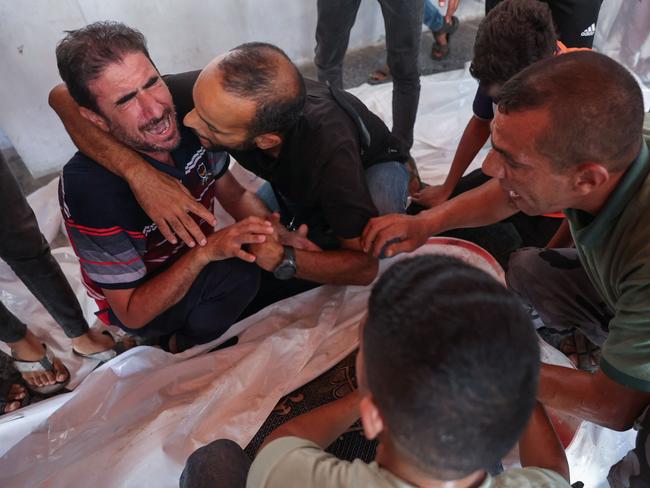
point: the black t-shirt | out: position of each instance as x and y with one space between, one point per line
320 169
575 19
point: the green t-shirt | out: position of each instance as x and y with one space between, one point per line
293 462
614 248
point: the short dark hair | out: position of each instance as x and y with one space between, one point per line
513 35
83 54
254 71
452 362
595 105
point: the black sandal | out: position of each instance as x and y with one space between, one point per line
438 51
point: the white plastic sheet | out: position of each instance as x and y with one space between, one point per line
134 421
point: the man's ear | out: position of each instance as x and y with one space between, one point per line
371 419
589 177
267 141
95 118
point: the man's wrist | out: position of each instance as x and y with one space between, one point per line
431 222
278 256
135 173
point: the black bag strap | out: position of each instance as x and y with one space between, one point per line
345 104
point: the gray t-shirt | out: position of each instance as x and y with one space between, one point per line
293 462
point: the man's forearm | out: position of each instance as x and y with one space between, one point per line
473 139
161 292
481 206
338 267
93 142
248 205
322 425
540 446
590 396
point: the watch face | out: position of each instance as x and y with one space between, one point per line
285 271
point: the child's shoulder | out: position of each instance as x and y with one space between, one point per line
528 478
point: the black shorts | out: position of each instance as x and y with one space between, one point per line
575 20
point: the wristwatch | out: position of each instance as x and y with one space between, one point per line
287 267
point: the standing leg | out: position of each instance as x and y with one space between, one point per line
26 251
335 20
403 21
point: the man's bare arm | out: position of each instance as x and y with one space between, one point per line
591 396
540 446
138 306
322 425
164 199
473 139
393 234
345 266
237 201
562 237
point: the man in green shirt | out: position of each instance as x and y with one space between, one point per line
568 136
443 406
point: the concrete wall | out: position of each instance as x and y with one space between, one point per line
182 35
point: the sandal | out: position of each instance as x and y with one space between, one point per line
380 75
46 363
581 351
108 354
5 388
439 51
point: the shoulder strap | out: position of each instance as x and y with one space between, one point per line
342 102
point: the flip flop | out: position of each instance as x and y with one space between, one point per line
108 354
380 75
46 363
5 388
440 52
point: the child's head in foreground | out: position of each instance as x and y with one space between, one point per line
448 367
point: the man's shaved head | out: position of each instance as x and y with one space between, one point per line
264 74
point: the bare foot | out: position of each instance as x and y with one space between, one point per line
92 341
14 398
31 349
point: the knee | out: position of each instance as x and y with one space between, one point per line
243 277
405 71
521 269
388 186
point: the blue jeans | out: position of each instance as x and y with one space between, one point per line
433 19
387 182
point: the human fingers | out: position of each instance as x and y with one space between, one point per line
166 231
254 227
193 229
200 211
303 230
373 227
181 232
381 242
398 247
249 238
245 256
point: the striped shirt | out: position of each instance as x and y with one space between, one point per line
118 245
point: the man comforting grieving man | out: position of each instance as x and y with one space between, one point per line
141 281
331 165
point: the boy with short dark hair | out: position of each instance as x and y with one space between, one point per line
447 371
